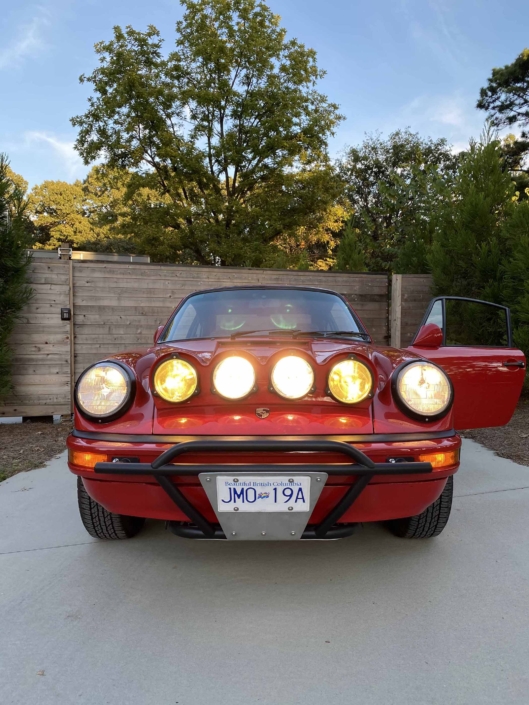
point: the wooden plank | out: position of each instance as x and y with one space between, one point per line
38 337
41 378
28 409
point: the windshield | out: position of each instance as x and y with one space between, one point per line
221 314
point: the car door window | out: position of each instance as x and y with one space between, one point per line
436 315
471 323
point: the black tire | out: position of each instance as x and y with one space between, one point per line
429 523
102 524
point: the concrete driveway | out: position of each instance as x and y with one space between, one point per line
371 619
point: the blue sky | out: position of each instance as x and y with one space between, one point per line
389 63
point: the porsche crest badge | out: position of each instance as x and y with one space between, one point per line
262 413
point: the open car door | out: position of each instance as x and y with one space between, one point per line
472 341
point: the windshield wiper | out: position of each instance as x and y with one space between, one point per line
333 333
269 332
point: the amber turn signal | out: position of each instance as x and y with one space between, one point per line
86 460
440 460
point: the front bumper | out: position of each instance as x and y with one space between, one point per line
359 488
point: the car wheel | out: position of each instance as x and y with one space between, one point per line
102 524
429 523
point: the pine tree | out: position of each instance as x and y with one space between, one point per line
516 270
14 261
470 246
349 256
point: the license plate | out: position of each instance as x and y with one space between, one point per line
255 493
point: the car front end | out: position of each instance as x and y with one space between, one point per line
264 414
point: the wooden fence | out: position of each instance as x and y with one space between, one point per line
117 306
410 294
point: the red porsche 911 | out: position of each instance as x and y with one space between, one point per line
267 413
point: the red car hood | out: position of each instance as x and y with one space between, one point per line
264 412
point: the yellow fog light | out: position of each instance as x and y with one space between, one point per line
350 381
424 389
234 377
175 380
292 377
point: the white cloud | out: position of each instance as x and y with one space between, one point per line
64 150
453 116
436 31
29 41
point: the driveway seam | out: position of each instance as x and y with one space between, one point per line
46 548
475 494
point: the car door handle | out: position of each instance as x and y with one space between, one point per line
514 363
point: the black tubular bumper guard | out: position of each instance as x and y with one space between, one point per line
162 469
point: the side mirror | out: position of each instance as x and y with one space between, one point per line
158 333
429 336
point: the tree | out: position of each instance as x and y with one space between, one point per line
394 187
59 214
229 128
14 261
506 95
506 100
470 248
350 257
515 289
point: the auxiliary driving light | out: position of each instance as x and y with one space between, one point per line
292 377
350 381
175 380
234 377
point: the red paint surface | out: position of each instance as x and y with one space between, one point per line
485 395
385 497
486 392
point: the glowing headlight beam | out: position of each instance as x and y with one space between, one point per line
175 380
350 381
103 390
424 389
234 377
292 377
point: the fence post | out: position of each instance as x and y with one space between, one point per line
72 334
396 310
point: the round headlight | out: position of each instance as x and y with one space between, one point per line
292 377
424 389
350 381
103 390
234 377
175 380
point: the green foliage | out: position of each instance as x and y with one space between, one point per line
516 270
394 187
350 257
506 100
514 153
469 245
14 292
506 96
481 249
228 130
59 215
